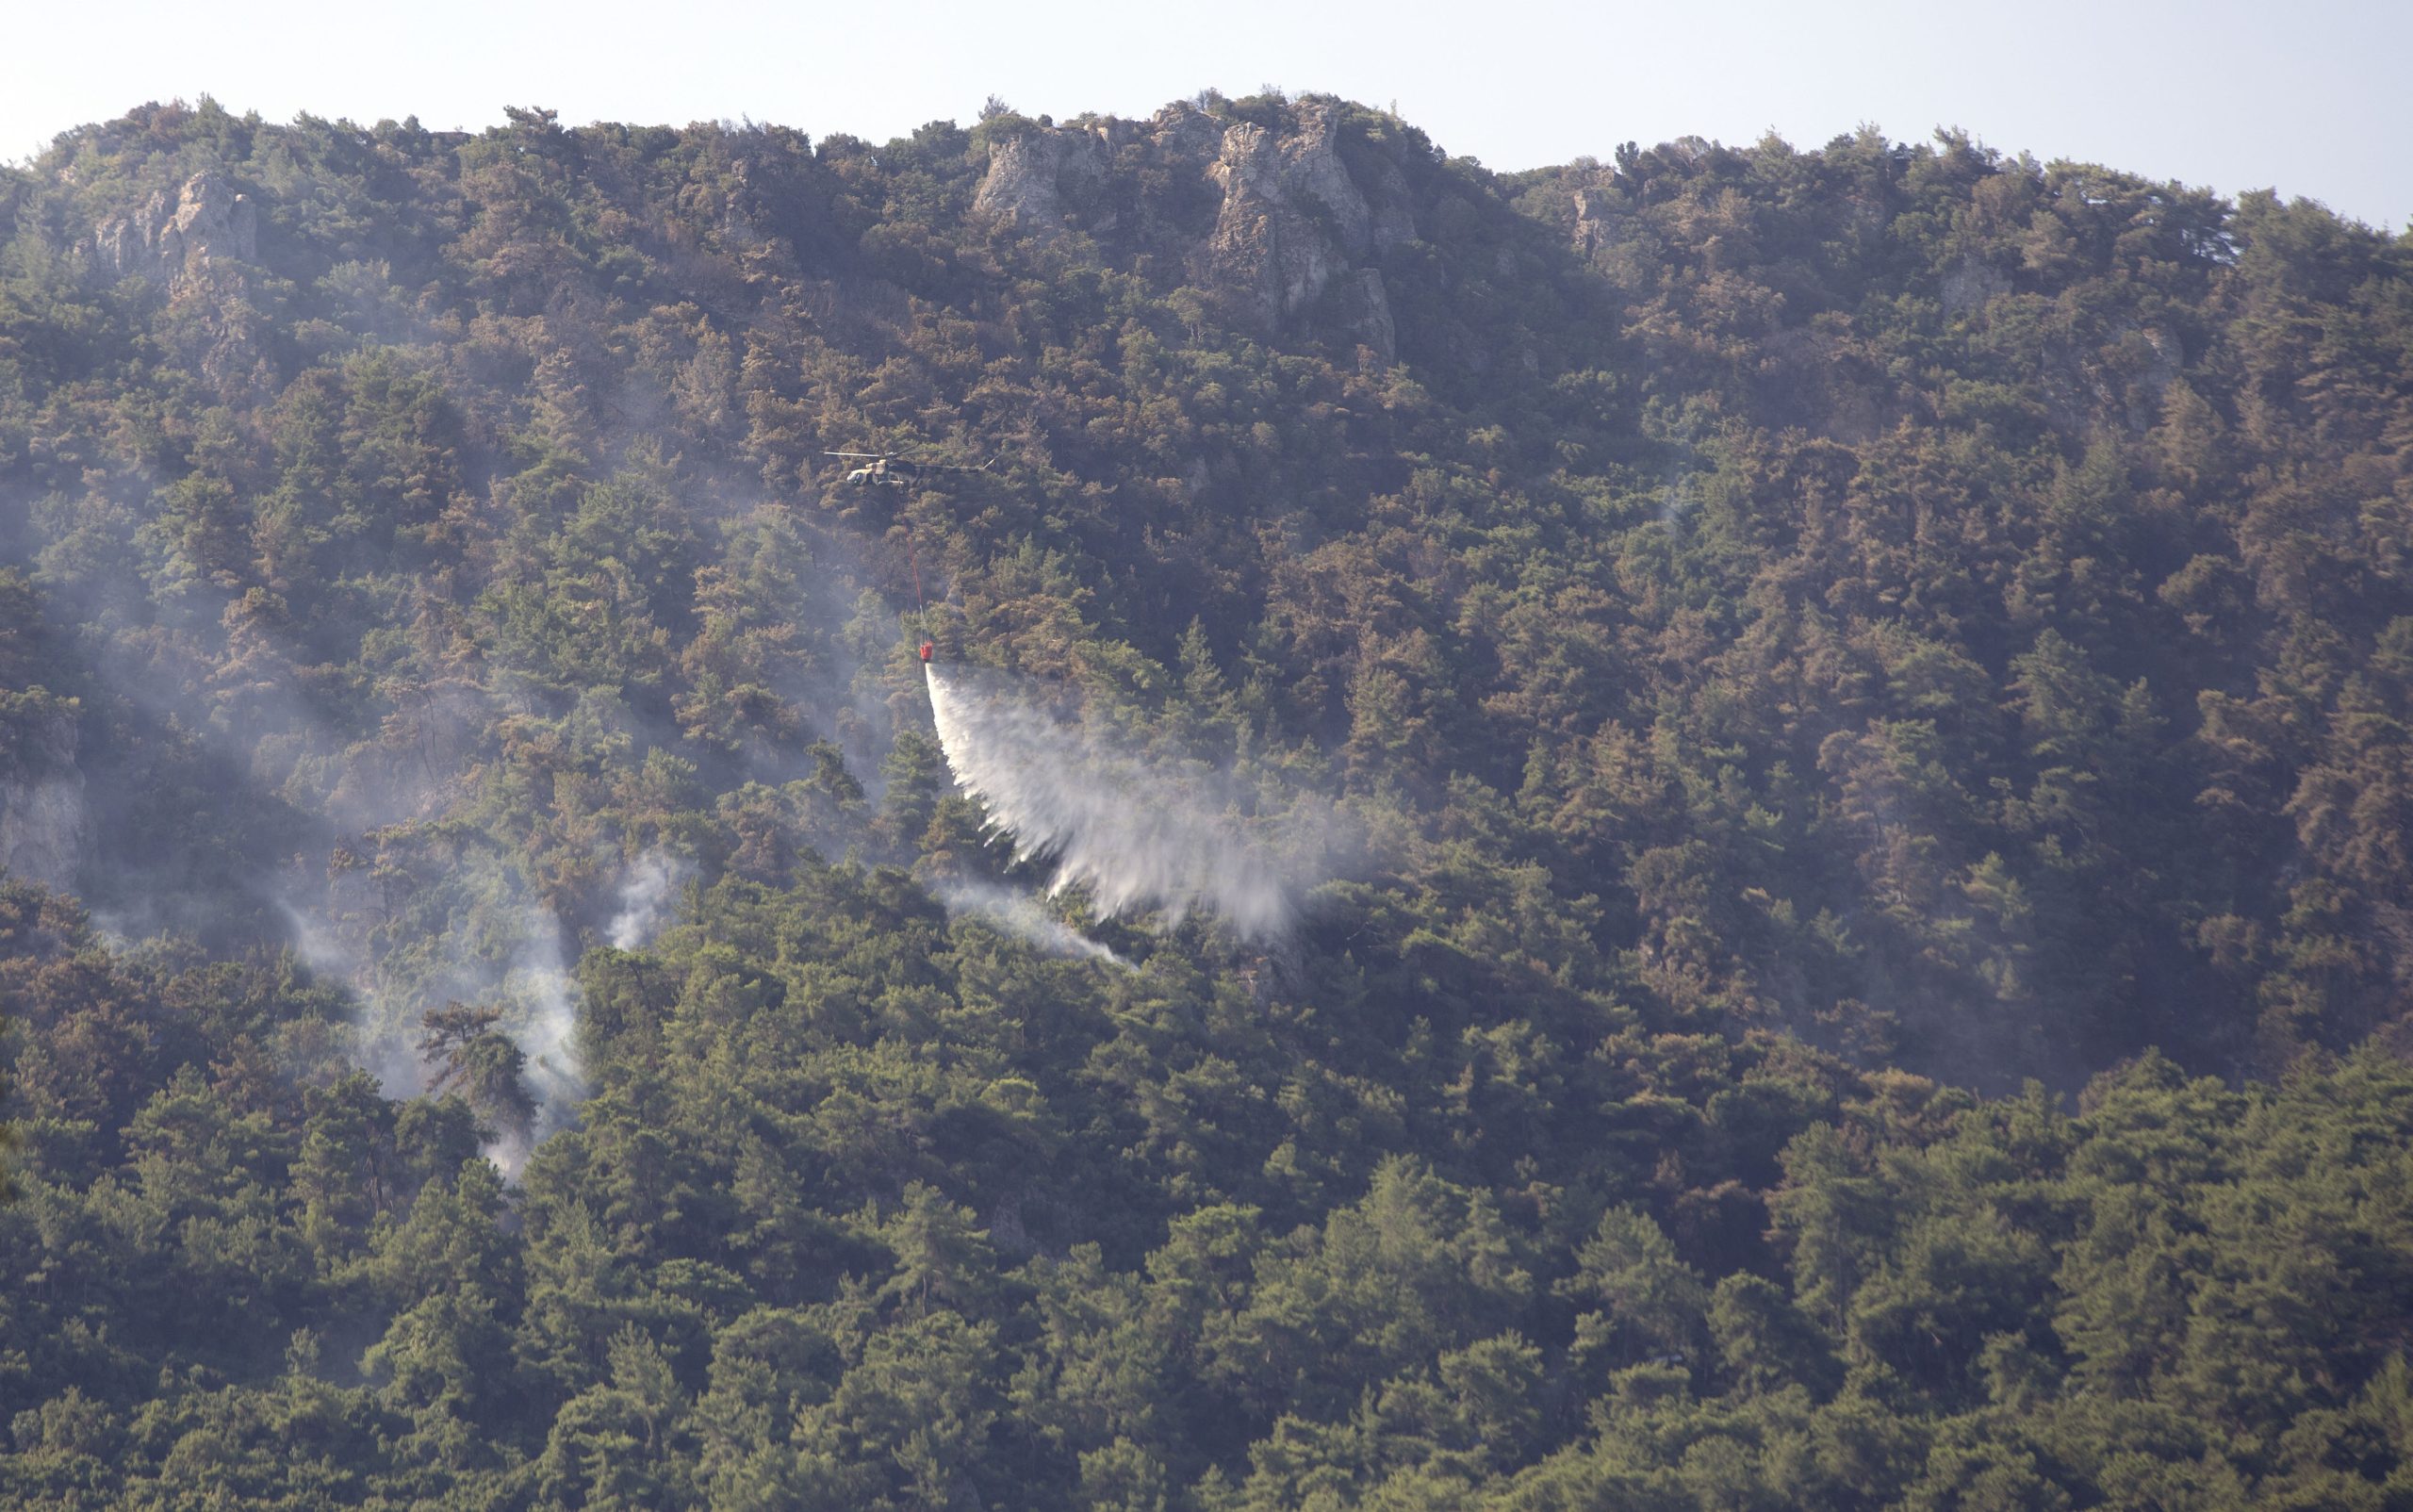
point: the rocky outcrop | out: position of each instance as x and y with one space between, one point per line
1039 180
1972 284
1294 222
42 830
2135 372
1297 230
202 250
1185 134
1363 310
42 821
208 223
1266 256
1591 222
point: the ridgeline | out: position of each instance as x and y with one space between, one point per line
1868 690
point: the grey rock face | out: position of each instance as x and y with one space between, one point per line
1185 134
1365 312
1970 284
42 822
1294 222
1591 221
1037 178
42 830
208 222
1261 257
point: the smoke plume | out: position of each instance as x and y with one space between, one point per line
645 896
1019 914
1136 831
543 996
528 977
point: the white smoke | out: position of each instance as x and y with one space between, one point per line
532 983
1019 914
380 1042
541 1015
645 896
318 946
1136 831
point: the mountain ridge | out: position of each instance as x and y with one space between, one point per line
1830 652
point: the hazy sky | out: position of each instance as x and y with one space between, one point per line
2308 98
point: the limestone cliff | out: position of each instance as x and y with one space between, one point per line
1298 230
209 222
42 822
1294 219
201 250
1037 178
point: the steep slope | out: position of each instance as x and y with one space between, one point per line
1793 633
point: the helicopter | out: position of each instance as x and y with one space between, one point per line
894 468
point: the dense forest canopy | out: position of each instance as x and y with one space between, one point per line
1861 698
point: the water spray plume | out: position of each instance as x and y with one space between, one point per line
1021 915
1135 832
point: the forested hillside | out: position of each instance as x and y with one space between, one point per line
1861 694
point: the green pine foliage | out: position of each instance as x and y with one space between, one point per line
1868 689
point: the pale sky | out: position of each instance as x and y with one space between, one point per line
2308 98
